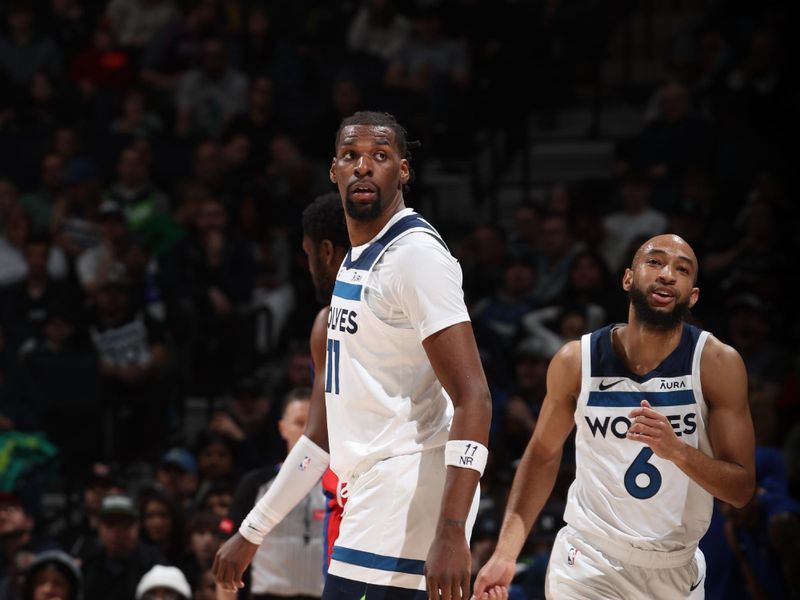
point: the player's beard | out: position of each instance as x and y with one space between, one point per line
362 212
657 319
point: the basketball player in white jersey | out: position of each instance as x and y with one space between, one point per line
663 427
408 407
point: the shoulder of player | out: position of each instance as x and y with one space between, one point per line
565 366
718 354
415 246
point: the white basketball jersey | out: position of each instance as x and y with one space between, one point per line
622 490
381 394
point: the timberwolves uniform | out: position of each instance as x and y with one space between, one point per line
388 415
633 519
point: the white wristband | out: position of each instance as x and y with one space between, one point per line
466 454
301 470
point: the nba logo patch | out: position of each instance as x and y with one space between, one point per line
572 556
304 463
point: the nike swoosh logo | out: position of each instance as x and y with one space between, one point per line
694 587
604 386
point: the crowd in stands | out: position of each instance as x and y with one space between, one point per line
155 157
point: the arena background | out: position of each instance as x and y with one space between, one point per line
155 156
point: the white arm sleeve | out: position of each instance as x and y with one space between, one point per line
299 473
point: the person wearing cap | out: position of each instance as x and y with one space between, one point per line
163 583
94 263
114 569
53 575
176 475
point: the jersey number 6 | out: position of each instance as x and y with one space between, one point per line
640 466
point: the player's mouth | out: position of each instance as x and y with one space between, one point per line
662 296
362 192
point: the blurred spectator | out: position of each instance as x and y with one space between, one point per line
590 285
531 359
102 480
502 312
17 531
557 246
206 587
114 569
163 583
554 326
176 47
251 424
72 224
135 22
134 190
94 265
636 219
481 256
216 499
753 551
259 122
525 231
23 53
162 525
216 461
204 541
378 29
39 204
133 358
103 67
53 574
208 98
176 476
208 277
135 120
346 98
288 564
24 304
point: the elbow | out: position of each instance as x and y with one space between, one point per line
744 494
477 403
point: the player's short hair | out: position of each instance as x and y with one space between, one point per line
323 219
383 119
298 394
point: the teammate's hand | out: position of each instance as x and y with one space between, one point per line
448 564
230 562
654 430
494 578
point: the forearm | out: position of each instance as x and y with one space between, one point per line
728 481
536 476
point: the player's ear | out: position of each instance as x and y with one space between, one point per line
694 296
332 172
405 172
627 280
326 251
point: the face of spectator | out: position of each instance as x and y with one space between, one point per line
368 170
519 279
586 275
635 196
261 94
94 493
346 97
237 151
36 259
573 326
113 229
204 545
131 168
157 522
215 461
488 246
20 20
207 162
41 89
214 58
218 504
52 174
748 328
298 373
209 217
526 223
8 196
258 25
251 408
118 535
556 239
675 102
103 41
293 422
531 371
58 330
113 302
51 584
177 484
13 520
65 143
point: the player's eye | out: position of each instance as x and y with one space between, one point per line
380 155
